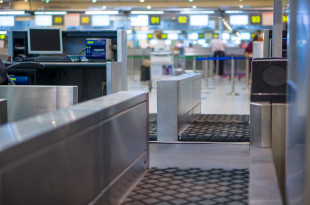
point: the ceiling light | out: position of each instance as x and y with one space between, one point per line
141 1
26 0
197 12
1 1
12 12
190 0
3 32
93 1
104 7
240 0
194 6
101 12
241 6
233 12
148 7
50 12
146 12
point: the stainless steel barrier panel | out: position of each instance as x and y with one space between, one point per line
263 185
89 153
178 99
278 141
26 100
3 111
260 124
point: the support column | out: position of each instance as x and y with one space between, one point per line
277 28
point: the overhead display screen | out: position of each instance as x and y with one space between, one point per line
256 19
183 19
199 20
43 20
140 20
7 21
100 20
154 20
239 20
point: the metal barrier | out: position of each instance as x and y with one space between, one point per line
89 153
3 111
25 100
178 100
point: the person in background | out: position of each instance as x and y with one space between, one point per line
259 34
218 49
249 51
242 44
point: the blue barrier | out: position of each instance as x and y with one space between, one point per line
221 58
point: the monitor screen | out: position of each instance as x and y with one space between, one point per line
44 41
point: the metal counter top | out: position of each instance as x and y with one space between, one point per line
22 134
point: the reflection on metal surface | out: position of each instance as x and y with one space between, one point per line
263 186
278 133
76 155
260 124
298 145
3 111
178 100
27 101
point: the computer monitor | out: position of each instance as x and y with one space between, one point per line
44 41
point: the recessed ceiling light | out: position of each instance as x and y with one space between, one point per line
1 1
93 1
241 6
194 6
141 1
148 7
190 0
104 7
240 0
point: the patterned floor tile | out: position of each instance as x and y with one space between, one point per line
219 186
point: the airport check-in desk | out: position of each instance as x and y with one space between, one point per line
178 101
89 153
24 101
93 78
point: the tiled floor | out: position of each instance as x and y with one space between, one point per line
168 160
191 186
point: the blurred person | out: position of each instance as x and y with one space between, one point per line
242 44
259 34
249 52
160 45
218 49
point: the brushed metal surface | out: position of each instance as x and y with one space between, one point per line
125 181
26 101
177 97
71 155
117 70
298 145
260 124
278 133
263 185
3 111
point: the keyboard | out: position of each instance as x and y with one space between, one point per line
52 59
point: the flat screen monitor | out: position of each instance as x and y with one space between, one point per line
44 41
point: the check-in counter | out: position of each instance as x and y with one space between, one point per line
89 153
24 101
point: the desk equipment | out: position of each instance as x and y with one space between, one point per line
44 41
52 59
98 48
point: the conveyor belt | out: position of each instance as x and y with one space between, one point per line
217 132
211 128
191 186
